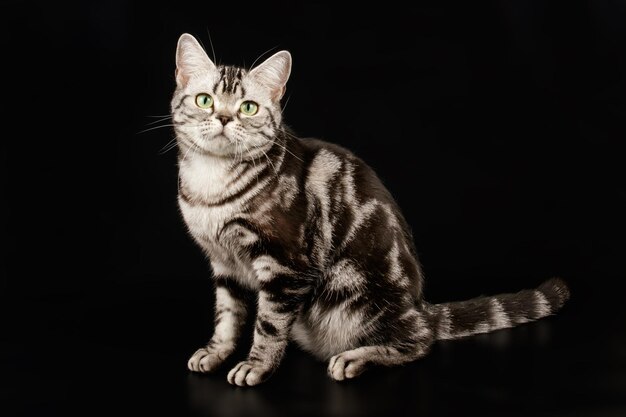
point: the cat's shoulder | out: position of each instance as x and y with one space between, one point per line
333 157
313 146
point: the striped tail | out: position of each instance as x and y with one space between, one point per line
486 314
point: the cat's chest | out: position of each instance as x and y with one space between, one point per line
212 228
203 187
205 223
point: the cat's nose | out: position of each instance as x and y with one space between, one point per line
224 119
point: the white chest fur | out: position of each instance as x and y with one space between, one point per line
205 178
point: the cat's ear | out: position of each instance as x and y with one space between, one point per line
273 73
190 59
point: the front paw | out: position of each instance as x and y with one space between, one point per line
249 373
208 359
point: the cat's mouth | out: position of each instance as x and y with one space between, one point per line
217 144
216 136
220 136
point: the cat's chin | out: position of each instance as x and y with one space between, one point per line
218 145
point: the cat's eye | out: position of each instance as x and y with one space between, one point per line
249 108
204 101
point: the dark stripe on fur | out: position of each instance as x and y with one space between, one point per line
182 100
266 328
235 289
229 199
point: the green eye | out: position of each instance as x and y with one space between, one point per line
249 108
204 101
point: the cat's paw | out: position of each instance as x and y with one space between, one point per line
249 373
208 359
346 365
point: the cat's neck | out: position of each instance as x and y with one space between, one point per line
206 175
211 177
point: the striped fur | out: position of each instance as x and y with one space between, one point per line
309 230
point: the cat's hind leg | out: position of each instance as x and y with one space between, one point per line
352 363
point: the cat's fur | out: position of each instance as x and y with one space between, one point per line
310 229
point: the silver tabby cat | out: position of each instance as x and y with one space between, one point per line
308 231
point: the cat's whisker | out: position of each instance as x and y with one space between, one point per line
270 161
282 110
292 154
285 148
156 127
239 150
191 147
211 44
253 163
183 158
168 146
159 120
158 115
252 158
262 55
168 125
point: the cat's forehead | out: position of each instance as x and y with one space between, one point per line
230 81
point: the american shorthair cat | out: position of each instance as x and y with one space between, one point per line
309 230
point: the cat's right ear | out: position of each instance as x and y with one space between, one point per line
190 59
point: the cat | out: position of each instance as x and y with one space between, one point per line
308 229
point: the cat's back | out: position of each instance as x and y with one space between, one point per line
325 159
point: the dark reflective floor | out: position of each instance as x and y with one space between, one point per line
125 351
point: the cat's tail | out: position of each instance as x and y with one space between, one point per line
486 314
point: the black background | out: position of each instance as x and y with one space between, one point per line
498 126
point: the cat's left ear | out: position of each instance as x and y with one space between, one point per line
273 73
190 59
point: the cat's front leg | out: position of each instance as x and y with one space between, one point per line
230 315
280 298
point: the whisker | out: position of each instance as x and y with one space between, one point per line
156 127
270 162
285 105
239 150
211 43
159 120
263 54
253 162
184 157
168 125
287 150
169 146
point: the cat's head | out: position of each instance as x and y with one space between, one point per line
223 110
